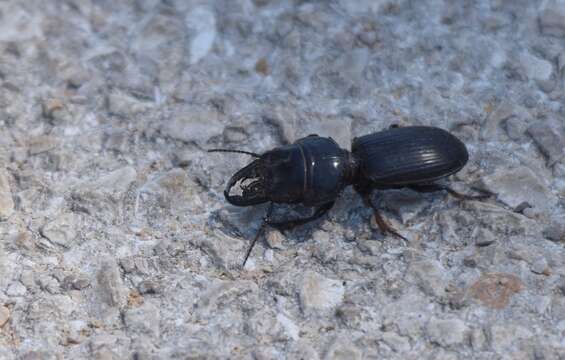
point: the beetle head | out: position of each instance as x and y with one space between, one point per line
247 186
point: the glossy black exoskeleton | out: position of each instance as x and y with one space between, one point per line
314 170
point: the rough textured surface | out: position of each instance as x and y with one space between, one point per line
117 242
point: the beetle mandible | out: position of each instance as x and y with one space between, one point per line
314 170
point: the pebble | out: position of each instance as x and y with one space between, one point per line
6 200
504 335
430 277
496 289
540 267
50 106
514 186
76 282
515 128
4 315
63 230
143 320
447 332
396 342
110 286
275 239
41 144
16 289
483 237
535 67
149 287
320 293
342 349
550 143
555 232
202 24
114 182
125 105
552 18
193 125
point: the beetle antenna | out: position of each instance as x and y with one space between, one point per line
235 151
259 232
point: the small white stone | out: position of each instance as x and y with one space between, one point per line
62 230
289 326
447 332
514 186
552 18
6 201
536 68
202 22
4 315
318 292
16 289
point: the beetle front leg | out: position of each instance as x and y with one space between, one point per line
259 232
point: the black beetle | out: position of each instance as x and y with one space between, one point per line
314 170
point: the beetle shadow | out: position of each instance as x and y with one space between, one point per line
239 222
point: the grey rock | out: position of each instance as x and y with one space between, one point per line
76 282
63 230
342 349
275 239
555 232
552 18
16 289
536 68
479 340
122 104
514 186
300 349
483 237
430 277
107 110
110 286
114 182
396 342
41 144
49 284
197 125
447 332
202 26
540 266
143 320
4 315
149 287
515 128
503 336
550 143
320 293
6 200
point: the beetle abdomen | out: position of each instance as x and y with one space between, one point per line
408 155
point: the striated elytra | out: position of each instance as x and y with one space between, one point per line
314 170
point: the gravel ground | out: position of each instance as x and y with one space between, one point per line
117 242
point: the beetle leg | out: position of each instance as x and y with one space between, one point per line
259 232
425 188
383 225
289 224
365 190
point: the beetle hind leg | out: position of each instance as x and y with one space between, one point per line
426 188
384 227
